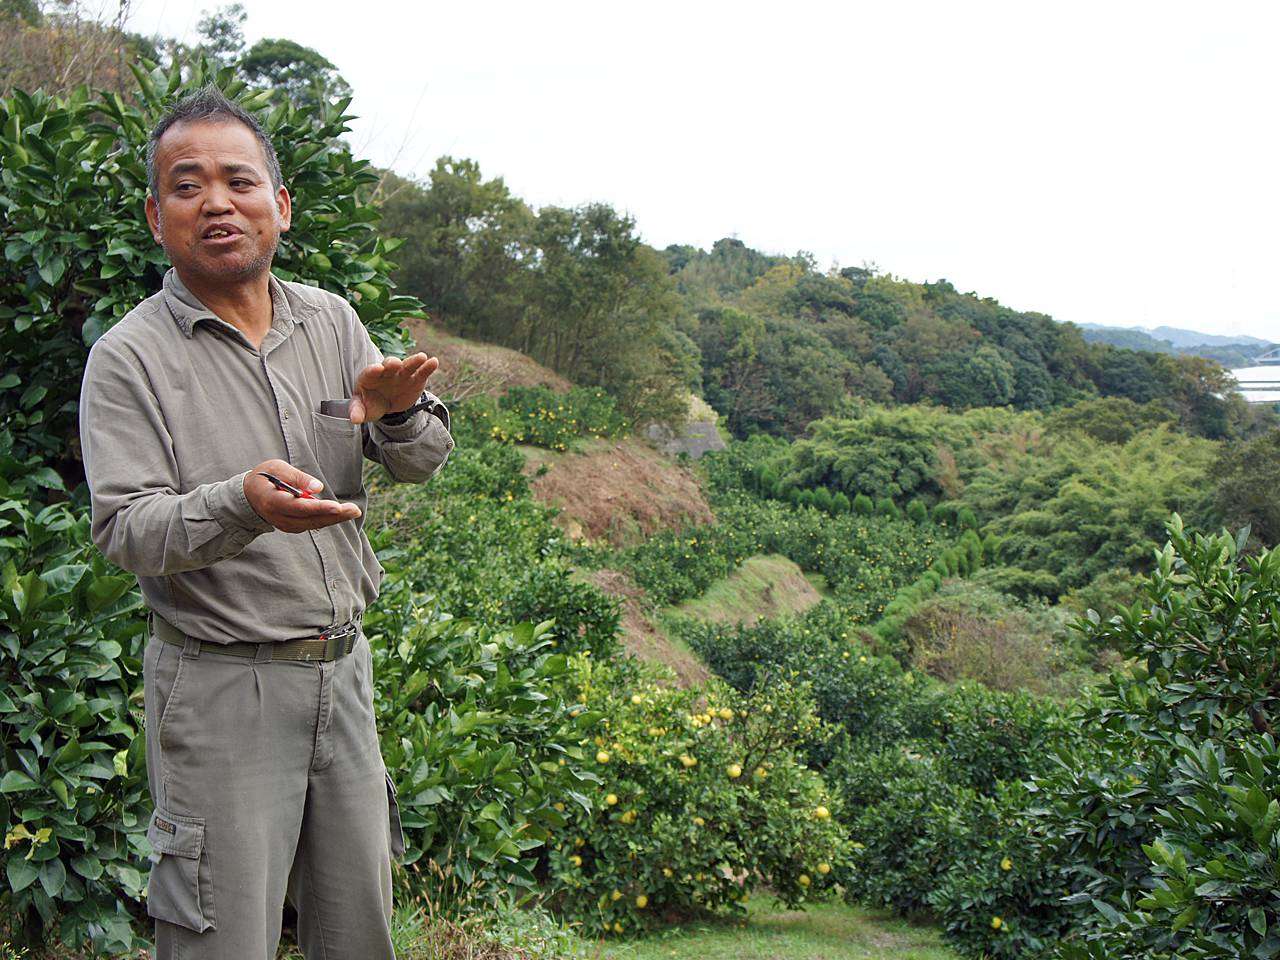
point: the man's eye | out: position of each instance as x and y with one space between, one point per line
241 183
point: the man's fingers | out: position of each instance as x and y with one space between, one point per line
301 508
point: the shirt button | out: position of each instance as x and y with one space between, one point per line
286 414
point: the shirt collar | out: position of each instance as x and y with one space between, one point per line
187 308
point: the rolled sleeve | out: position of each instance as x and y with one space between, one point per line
138 519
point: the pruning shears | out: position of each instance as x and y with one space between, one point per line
281 485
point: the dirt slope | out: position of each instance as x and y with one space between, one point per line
617 490
468 367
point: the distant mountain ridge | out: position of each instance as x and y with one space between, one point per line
1230 352
1181 337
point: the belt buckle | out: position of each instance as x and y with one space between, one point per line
341 633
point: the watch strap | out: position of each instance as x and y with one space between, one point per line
427 401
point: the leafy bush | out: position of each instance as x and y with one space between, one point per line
73 797
701 797
473 729
1158 823
1172 809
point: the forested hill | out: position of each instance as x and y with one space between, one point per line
772 342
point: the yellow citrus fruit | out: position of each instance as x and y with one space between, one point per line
559 806
617 926
996 923
642 901
579 842
734 770
688 761
761 772
667 871
698 821
803 879
822 813
637 699
576 860
602 756
611 799
1006 864
616 895
824 868
726 713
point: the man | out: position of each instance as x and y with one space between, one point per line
262 754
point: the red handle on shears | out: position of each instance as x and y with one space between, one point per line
281 485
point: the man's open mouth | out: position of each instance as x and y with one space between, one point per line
221 231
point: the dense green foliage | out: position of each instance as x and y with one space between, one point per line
73 796
541 417
1160 825
1248 476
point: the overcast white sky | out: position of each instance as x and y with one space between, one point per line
1102 162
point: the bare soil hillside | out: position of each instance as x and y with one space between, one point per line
469 367
617 490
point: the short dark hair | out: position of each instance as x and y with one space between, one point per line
210 103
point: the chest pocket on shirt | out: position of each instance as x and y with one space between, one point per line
339 449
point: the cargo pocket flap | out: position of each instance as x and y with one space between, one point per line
180 889
180 836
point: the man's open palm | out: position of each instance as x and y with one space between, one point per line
390 386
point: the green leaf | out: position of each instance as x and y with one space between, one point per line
15 781
53 877
1258 920
21 873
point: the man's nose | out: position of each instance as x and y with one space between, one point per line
217 199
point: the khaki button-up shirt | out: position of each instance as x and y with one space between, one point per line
176 408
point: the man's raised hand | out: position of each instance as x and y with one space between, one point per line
286 512
390 386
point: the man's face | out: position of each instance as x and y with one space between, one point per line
216 215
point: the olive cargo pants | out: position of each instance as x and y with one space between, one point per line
267 782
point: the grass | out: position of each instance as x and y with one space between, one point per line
830 931
764 585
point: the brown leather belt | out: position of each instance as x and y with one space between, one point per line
330 645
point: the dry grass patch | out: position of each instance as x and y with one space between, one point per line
619 491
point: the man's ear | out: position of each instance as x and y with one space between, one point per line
153 218
284 204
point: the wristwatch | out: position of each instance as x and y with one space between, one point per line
428 401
